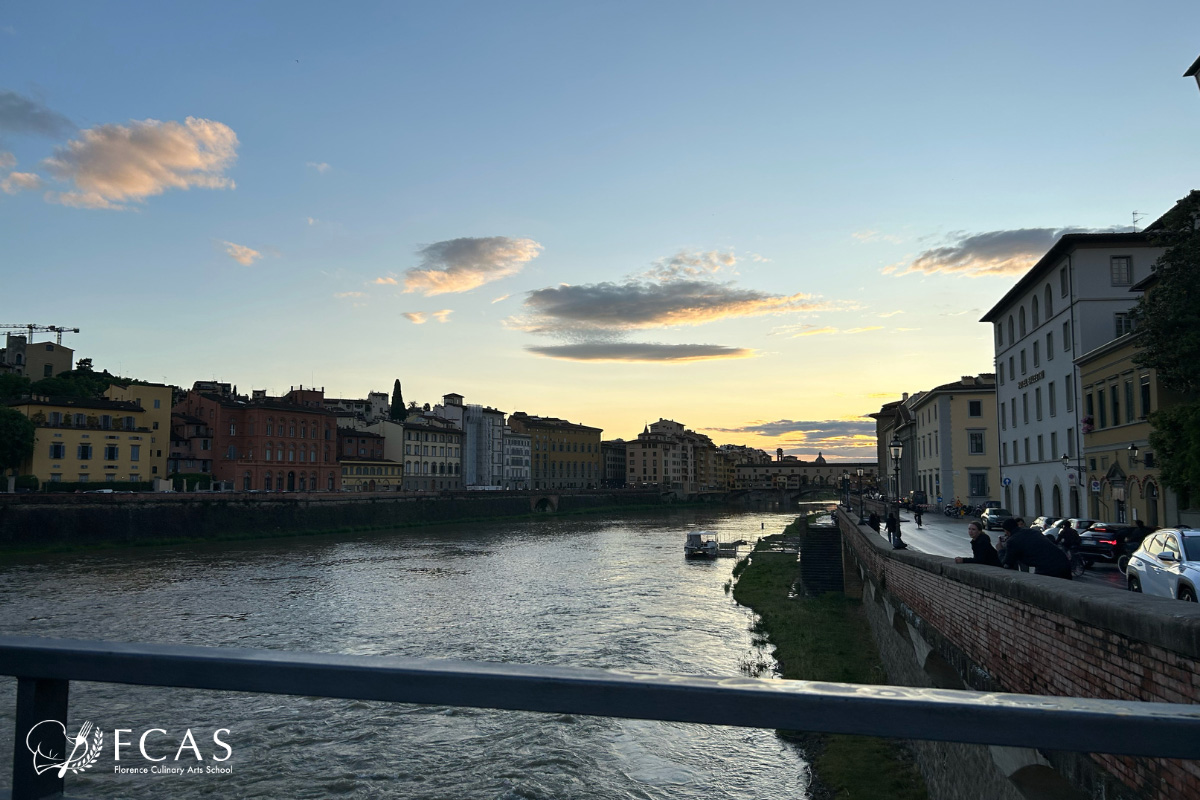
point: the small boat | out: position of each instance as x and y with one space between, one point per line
701 544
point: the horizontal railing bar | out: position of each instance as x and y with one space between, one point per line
1058 723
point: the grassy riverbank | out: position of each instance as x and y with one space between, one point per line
826 638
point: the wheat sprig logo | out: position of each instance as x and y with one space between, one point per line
83 753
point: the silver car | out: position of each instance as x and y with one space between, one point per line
1167 564
994 517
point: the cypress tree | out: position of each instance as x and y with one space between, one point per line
397 411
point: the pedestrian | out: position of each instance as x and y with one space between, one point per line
1035 550
982 551
873 522
1068 538
893 530
917 516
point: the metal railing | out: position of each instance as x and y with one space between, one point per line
45 667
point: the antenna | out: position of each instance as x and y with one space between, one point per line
1137 216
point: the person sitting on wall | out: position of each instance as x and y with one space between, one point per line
981 548
1035 550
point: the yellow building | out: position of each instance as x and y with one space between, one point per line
566 455
88 441
1121 484
156 400
954 441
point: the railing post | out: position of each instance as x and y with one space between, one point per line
39 699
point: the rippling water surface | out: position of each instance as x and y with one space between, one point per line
595 592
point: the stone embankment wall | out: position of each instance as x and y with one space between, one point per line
80 519
946 625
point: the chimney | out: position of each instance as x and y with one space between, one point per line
904 399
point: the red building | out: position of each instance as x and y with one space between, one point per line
272 444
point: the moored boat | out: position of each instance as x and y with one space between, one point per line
701 544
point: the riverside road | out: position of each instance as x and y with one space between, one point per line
940 535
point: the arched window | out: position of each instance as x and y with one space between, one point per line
1021 501
1056 494
1033 307
1037 501
1021 320
1049 309
267 482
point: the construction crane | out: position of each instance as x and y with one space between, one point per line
59 329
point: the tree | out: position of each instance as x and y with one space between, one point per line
1167 331
397 410
17 435
13 386
84 365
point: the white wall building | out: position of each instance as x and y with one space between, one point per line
517 454
1075 299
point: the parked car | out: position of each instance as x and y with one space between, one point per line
1106 541
1042 523
993 518
1167 564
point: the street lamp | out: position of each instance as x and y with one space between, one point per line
1133 455
897 450
862 517
846 487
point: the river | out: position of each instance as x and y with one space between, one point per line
598 591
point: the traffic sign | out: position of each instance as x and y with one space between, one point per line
1007 481
939 498
1095 487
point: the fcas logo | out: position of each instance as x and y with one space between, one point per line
80 752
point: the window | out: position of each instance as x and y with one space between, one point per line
1124 323
975 443
1102 402
1025 408
1050 346
1114 393
1001 373
1122 270
1070 444
1067 335
1004 453
1011 337
978 484
1049 309
1014 412
1037 402
1051 400
1012 369
1003 417
1063 282
48 371
83 452
1145 386
1070 393
1026 449
1016 453
58 450
1037 354
1024 367
975 408
1021 319
1033 308
135 452
1041 449
1053 443
157 403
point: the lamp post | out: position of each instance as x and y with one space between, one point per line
862 517
1133 455
846 487
897 450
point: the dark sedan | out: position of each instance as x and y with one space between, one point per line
1108 541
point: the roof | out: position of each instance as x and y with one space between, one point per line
1065 244
98 404
1193 69
979 383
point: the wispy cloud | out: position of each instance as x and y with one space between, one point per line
685 265
319 166
20 181
829 330
115 164
459 265
610 307
849 437
350 294
887 314
443 315
20 114
415 317
1007 252
312 220
241 254
641 351
501 298
385 281
7 160
864 329
876 236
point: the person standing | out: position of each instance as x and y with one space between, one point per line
893 530
982 551
1035 550
873 522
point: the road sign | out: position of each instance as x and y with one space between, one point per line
939 498
1095 487
1007 481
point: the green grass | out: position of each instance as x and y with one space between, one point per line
826 638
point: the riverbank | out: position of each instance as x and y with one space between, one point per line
104 521
825 638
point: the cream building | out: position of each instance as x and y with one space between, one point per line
955 443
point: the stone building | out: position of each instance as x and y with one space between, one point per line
566 455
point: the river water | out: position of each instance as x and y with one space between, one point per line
605 592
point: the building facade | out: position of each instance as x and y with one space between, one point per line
1074 300
87 440
668 456
955 444
792 473
34 360
518 458
613 454
363 465
155 399
565 455
433 454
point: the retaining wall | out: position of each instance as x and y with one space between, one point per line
947 625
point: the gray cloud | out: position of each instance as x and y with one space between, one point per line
641 351
690 265
990 253
459 265
19 114
826 429
609 307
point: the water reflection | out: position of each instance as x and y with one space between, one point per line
598 592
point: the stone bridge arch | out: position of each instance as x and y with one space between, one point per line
543 503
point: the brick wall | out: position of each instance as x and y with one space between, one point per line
1016 632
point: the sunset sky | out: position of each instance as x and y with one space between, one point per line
761 220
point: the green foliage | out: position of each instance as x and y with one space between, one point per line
27 482
13 387
1175 442
1167 318
397 410
84 365
17 436
79 383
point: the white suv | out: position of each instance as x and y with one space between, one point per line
1167 564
